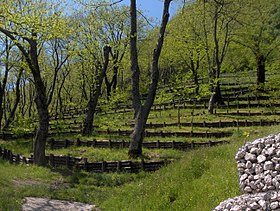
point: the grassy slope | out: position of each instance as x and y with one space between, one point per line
200 180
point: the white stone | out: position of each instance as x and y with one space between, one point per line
253 185
262 203
243 177
250 157
268 180
240 155
261 158
236 208
254 150
248 164
254 205
273 196
268 165
241 165
274 205
275 160
248 189
277 167
269 142
274 173
258 169
270 151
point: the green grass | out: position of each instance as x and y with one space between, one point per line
196 180
199 180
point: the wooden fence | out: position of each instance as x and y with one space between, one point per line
218 124
58 144
83 164
167 134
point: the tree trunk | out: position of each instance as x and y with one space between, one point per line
142 112
94 95
260 60
41 105
13 111
216 98
113 84
5 79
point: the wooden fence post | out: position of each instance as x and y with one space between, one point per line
173 144
123 144
66 143
143 164
119 166
104 166
179 116
158 144
17 159
52 143
78 142
192 145
85 164
10 156
68 162
51 160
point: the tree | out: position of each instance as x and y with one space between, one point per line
115 32
142 111
219 20
184 50
6 47
28 24
259 31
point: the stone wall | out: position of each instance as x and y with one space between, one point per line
258 165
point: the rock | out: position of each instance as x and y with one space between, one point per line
274 205
254 150
261 158
250 157
254 205
248 189
240 155
249 164
268 142
258 169
268 165
32 204
243 177
277 167
262 203
270 151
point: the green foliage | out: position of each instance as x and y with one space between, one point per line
23 125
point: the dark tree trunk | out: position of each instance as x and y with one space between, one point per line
112 85
260 60
13 111
5 78
216 98
94 95
194 68
142 112
41 105
31 100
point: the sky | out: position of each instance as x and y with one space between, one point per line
153 8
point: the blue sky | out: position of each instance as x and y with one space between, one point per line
153 8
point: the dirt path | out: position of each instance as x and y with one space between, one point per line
42 204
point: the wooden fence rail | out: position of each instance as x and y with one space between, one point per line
58 144
83 164
218 124
168 134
